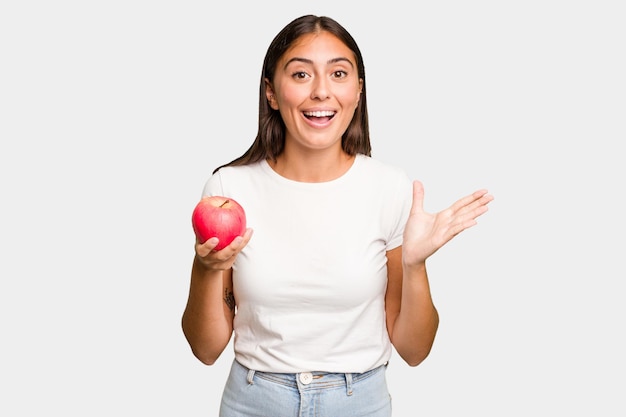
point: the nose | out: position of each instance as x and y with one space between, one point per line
320 89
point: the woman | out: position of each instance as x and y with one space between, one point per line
335 274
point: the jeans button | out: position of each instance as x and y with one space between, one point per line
306 378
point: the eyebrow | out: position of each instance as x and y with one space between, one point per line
308 61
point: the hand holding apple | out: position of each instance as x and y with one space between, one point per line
221 217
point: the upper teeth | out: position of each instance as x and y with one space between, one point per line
319 113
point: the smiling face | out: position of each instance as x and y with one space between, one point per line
316 88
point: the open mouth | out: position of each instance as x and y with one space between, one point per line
320 116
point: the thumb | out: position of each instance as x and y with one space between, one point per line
418 197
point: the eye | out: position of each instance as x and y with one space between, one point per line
339 74
300 75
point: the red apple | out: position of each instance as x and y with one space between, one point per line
220 217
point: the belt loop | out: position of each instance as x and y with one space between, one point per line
250 376
348 384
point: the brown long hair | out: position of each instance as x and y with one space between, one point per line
270 138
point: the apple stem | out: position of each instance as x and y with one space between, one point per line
225 202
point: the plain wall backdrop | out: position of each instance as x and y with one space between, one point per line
113 115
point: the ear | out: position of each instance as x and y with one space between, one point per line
269 94
358 94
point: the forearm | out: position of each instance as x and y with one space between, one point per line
208 317
415 327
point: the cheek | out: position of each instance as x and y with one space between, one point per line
350 98
290 98
292 95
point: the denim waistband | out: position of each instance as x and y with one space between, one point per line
312 380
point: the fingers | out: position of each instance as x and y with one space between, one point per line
203 249
223 258
240 241
472 201
463 213
469 208
479 207
476 199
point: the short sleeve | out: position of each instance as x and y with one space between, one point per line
399 211
213 185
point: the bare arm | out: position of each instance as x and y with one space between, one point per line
207 321
412 319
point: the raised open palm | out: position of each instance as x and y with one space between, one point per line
425 232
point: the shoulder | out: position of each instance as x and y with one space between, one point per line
240 170
380 170
224 179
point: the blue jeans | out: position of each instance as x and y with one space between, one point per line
250 393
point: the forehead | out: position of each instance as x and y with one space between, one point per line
319 46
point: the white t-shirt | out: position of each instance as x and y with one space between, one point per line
310 284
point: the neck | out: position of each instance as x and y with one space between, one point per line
312 167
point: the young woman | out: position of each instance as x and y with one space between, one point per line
335 275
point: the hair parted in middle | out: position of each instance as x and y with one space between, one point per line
270 138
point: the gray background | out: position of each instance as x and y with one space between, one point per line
113 114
